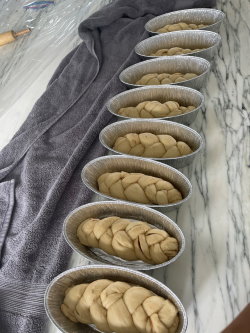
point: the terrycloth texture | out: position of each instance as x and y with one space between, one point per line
47 154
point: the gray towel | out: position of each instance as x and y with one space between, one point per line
40 168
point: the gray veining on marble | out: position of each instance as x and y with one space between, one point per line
212 276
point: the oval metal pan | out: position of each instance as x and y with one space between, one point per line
55 292
99 166
182 95
175 64
104 209
212 17
112 132
185 39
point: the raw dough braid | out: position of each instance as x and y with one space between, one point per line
181 26
151 145
155 109
128 240
114 306
164 78
138 187
174 51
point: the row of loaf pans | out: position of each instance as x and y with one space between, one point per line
126 209
112 267
206 37
185 93
121 269
193 62
148 166
196 62
121 208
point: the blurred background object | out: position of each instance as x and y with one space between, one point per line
241 324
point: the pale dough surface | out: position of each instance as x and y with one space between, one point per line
127 239
137 187
181 26
114 306
164 78
155 109
151 145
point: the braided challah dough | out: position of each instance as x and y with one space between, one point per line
114 306
174 51
181 26
138 187
164 78
151 145
128 240
155 109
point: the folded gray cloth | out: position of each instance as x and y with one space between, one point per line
40 168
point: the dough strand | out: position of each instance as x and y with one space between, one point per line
137 187
115 306
174 51
155 109
181 26
151 145
164 78
128 240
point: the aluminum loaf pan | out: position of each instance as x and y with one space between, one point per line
196 39
175 64
55 292
104 209
212 17
183 95
112 132
95 168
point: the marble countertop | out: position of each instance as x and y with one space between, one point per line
211 278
